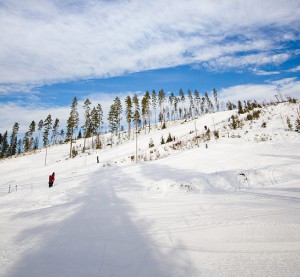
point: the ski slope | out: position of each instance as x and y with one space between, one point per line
232 209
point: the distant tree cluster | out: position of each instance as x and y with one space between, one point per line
140 113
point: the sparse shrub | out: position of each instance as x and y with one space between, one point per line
264 125
74 152
216 134
289 124
240 107
169 139
297 125
151 144
249 116
256 114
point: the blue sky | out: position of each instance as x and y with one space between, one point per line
51 51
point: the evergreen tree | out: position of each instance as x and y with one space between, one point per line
13 139
36 143
182 100
94 123
62 135
161 100
240 107
154 104
112 119
72 122
47 128
40 127
217 104
4 146
209 104
128 113
118 111
144 121
191 100
79 136
19 147
100 122
87 124
147 107
55 131
289 124
172 104
176 101
197 101
136 115
297 124
202 105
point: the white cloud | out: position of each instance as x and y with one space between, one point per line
295 69
260 92
265 73
43 40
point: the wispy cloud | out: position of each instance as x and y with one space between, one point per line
295 69
45 41
265 73
260 92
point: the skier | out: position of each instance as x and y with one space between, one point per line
53 177
97 159
50 181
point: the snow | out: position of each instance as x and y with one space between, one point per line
229 210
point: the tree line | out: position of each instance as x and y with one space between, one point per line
139 113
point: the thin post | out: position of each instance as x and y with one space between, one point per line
136 148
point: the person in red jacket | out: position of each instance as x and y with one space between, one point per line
51 179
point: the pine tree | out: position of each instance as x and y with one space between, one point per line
13 139
4 146
209 104
191 100
144 121
94 123
217 104
197 101
72 123
289 124
55 131
161 100
172 102
136 115
154 104
19 148
169 139
297 124
40 127
118 111
128 113
47 128
87 124
182 100
62 135
148 109
100 122
112 119
240 107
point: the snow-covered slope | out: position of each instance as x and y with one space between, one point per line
231 209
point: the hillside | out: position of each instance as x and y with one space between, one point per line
231 209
